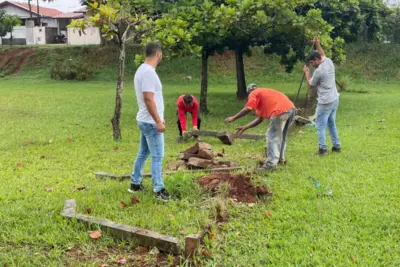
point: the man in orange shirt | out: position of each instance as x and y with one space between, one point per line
275 106
187 104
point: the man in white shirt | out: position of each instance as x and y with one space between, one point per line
150 119
328 97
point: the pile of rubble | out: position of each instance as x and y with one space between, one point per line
200 156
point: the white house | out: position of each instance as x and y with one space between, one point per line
22 11
53 23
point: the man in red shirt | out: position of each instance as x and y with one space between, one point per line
187 104
275 106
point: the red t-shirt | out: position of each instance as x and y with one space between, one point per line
182 109
268 102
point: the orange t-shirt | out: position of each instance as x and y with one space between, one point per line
268 103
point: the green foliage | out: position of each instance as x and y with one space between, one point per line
371 12
219 25
137 21
68 69
3 28
391 26
353 20
7 23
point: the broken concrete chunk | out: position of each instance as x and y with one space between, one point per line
205 154
192 243
226 138
200 163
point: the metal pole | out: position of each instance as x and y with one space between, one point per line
298 91
302 80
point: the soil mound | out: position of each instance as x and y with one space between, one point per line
240 186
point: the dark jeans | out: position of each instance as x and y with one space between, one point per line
179 123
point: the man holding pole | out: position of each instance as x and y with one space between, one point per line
323 80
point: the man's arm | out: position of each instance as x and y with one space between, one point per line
307 76
252 124
242 113
318 46
152 108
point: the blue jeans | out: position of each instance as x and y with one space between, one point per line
326 116
277 132
151 143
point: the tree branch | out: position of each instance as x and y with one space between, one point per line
136 35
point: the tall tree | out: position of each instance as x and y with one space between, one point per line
30 9
353 20
3 28
253 23
39 23
208 21
131 21
9 22
278 27
373 13
38 13
391 26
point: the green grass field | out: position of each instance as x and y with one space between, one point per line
56 135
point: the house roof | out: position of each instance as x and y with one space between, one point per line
44 11
69 15
81 10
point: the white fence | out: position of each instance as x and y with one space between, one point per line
46 35
90 37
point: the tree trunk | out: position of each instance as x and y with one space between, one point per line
38 14
204 81
115 121
11 37
30 8
241 92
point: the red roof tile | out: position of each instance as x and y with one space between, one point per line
44 11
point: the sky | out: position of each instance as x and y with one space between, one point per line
62 5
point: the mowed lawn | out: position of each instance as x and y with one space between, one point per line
55 135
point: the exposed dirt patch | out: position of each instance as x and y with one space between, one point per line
13 60
240 186
125 256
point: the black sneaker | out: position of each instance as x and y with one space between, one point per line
135 188
322 152
336 150
266 167
163 195
282 162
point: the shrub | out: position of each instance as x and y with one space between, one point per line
71 70
344 82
